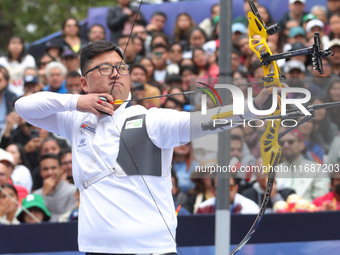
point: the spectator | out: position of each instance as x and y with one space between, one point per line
246 8
308 185
128 47
73 84
320 12
239 153
55 74
176 53
296 34
25 135
172 103
247 53
308 17
240 77
265 15
188 73
139 45
138 73
333 7
120 19
43 62
327 201
16 61
317 26
200 60
4 176
54 49
313 150
333 95
289 25
237 30
295 73
160 38
70 39
159 59
238 203
8 207
183 24
66 165
35 204
335 59
252 139
70 60
202 191
150 72
206 24
186 62
48 146
96 33
175 89
257 191
58 194
7 98
334 23
236 61
72 214
140 31
21 174
6 170
157 22
31 84
137 95
178 196
296 12
196 38
184 165
326 130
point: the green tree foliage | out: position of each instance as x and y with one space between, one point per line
34 19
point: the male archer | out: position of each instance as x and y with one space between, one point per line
121 154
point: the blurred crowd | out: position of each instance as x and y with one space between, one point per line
36 166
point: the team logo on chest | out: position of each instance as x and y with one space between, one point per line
86 128
134 124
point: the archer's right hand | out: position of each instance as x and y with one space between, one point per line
91 103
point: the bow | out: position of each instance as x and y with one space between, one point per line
270 148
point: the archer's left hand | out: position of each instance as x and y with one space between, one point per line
265 93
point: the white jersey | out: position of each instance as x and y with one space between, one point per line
117 213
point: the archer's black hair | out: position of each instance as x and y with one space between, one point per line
93 49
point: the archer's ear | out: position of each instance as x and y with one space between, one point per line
84 84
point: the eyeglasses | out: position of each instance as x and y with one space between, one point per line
107 69
231 187
290 142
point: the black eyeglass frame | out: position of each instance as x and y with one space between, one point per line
116 66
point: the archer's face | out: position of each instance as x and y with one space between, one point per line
94 82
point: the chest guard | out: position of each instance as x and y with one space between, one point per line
136 141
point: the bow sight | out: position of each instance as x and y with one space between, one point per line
267 58
315 50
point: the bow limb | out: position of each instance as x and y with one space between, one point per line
270 148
